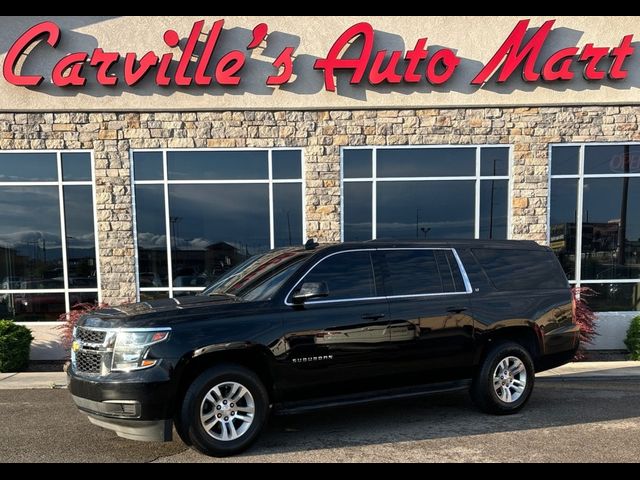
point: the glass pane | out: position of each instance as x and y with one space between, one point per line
287 214
81 244
494 162
28 167
150 296
357 163
612 159
148 165
412 273
218 165
152 236
32 307
215 227
426 210
77 298
191 293
494 205
426 162
357 212
76 166
615 297
564 203
286 164
565 160
30 240
611 229
348 276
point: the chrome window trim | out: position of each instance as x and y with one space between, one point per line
465 277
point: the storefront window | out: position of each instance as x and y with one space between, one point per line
424 193
201 213
595 223
47 234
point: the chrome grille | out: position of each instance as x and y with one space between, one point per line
88 362
86 335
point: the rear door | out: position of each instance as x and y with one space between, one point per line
430 322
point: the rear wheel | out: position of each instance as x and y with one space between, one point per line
505 380
224 410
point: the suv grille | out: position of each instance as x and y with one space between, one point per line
90 336
88 362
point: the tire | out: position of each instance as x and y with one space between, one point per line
499 391
221 429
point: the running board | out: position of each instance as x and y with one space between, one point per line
295 408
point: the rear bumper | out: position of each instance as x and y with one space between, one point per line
560 348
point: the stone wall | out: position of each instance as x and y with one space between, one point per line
321 134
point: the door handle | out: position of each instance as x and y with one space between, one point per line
456 309
373 316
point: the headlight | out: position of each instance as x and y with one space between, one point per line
132 346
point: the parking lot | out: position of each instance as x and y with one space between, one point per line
566 421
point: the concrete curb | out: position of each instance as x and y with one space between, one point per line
572 372
33 380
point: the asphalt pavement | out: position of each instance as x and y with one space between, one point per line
590 420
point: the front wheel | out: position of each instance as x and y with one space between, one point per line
505 380
224 410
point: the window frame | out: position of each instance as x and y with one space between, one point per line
478 178
463 272
580 177
165 182
60 184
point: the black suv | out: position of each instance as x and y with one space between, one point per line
304 328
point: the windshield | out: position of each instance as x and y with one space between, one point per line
256 271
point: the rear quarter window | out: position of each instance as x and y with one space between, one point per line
521 269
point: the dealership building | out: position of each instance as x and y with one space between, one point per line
143 157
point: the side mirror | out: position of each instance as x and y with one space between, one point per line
309 291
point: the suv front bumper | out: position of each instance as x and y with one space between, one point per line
137 406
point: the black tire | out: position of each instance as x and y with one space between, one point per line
190 423
483 393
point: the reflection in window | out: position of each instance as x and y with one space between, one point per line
33 274
152 236
414 202
221 210
419 211
608 227
214 227
348 276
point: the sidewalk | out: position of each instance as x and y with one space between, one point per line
582 371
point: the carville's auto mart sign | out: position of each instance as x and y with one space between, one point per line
312 62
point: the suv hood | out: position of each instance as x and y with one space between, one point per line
164 312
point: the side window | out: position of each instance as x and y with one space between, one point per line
412 272
521 269
348 275
452 280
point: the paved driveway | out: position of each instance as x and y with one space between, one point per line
566 421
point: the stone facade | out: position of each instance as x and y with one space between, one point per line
321 134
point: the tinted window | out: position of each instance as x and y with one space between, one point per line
521 269
426 210
612 159
76 166
357 211
564 202
494 200
218 165
565 160
452 280
357 163
28 167
494 162
287 214
348 276
81 245
286 164
412 272
152 236
148 166
426 162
